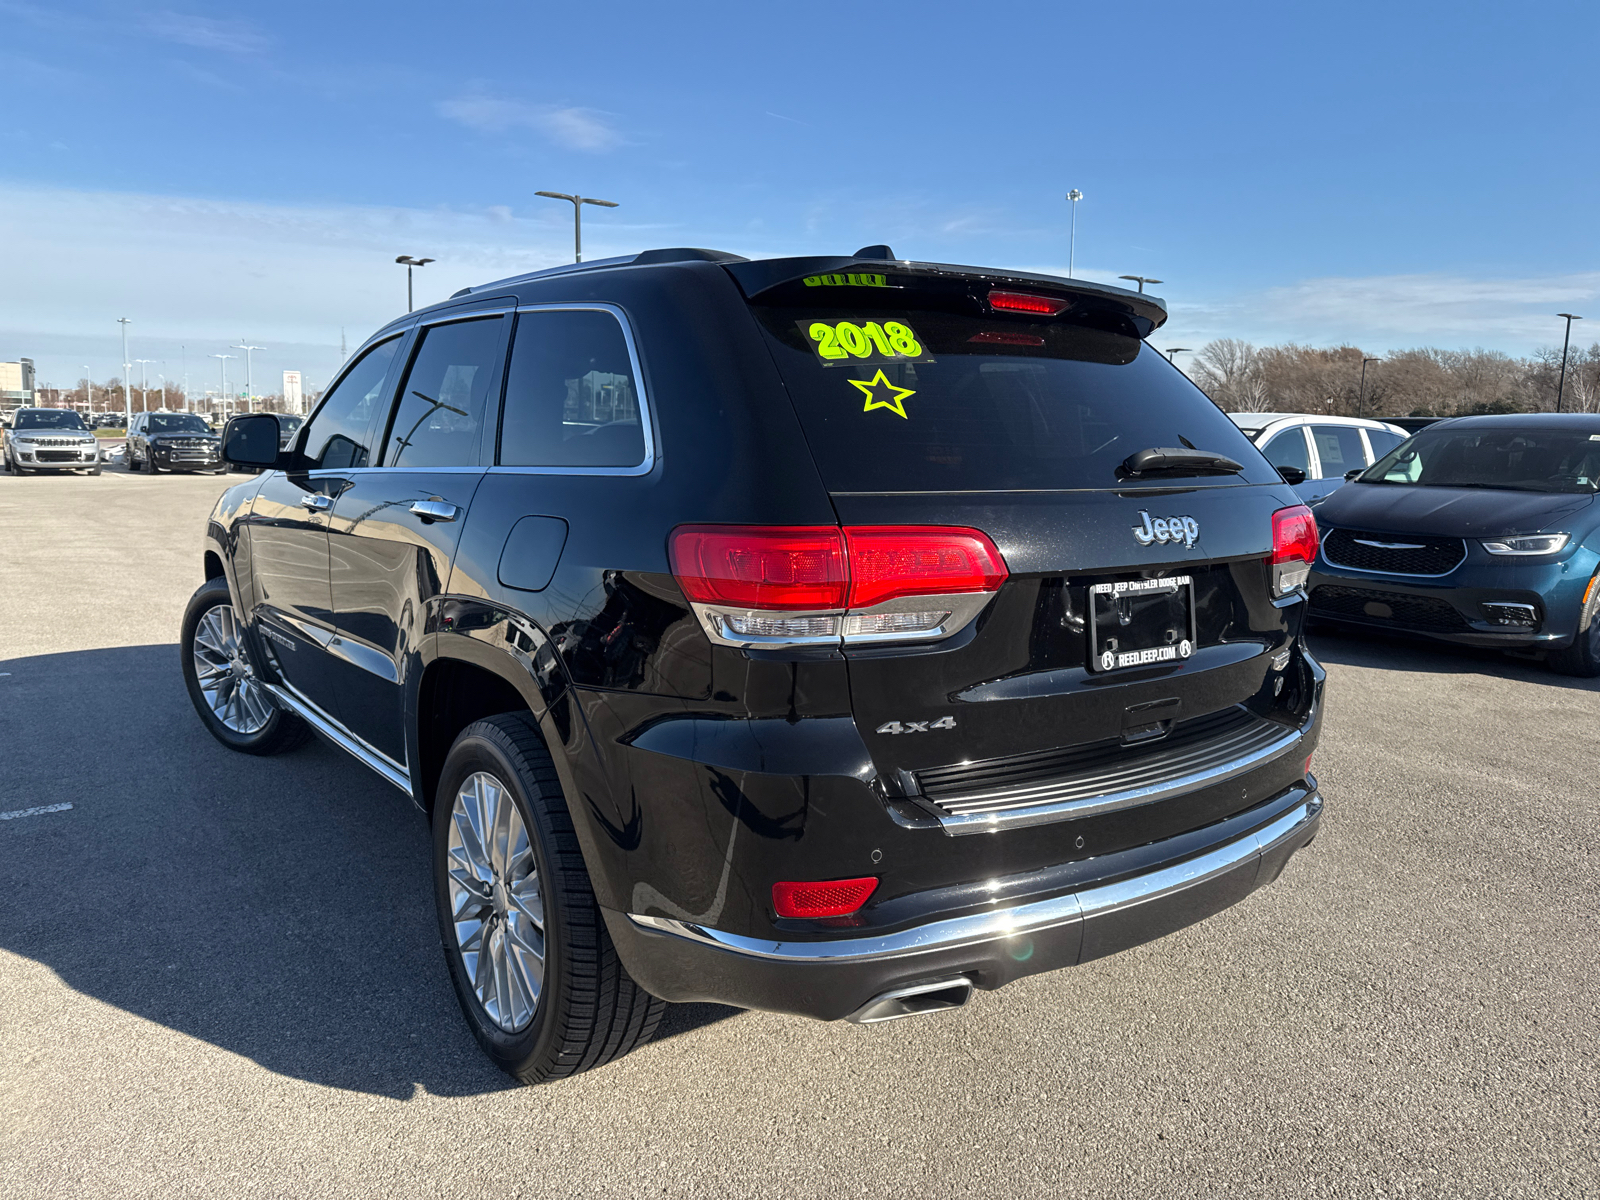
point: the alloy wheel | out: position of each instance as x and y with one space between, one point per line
226 678
495 901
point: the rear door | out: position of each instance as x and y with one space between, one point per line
1020 425
395 525
1339 449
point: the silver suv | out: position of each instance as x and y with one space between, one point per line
50 439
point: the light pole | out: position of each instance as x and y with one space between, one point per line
577 217
1142 280
1176 350
127 400
1361 392
162 380
224 365
409 262
88 388
1072 243
1565 342
249 377
144 390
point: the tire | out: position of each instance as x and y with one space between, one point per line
1582 658
254 724
95 470
129 460
585 1010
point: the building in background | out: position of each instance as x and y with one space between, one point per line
16 382
293 400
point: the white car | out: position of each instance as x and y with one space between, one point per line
1324 448
50 439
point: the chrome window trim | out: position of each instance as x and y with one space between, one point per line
1019 921
647 422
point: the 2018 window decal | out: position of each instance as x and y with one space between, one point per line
891 396
862 340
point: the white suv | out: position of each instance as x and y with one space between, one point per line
50 439
1324 448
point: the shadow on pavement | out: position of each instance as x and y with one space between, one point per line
279 908
1395 652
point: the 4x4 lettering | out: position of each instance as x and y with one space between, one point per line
916 726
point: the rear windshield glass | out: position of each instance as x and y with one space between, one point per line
1515 460
925 400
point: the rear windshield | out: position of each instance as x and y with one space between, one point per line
918 399
1513 460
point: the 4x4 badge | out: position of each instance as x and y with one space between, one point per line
1165 529
916 726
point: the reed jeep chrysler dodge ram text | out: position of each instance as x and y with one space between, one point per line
828 635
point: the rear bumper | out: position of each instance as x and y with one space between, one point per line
1162 888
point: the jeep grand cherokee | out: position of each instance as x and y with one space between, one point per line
825 635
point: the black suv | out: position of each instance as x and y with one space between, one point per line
825 635
165 441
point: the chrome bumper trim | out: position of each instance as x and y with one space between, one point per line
1041 813
1020 921
336 733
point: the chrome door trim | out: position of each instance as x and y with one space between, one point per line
296 702
1021 920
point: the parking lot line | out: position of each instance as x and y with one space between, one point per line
33 812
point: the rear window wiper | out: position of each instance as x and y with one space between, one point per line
1186 460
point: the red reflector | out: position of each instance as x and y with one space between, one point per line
779 567
1308 765
1008 339
887 561
828 898
1294 535
1027 302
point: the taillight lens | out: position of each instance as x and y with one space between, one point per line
891 561
826 898
748 582
1294 548
773 568
1028 302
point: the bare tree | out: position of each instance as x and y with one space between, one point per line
1229 371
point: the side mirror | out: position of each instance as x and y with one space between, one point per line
1292 475
251 441
1355 474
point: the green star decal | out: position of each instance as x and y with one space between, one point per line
894 404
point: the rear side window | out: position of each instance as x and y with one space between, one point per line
439 416
919 400
1288 449
1339 448
571 398
1383 441
339 435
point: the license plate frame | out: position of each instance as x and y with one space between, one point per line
1141 623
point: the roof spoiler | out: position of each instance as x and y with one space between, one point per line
758 276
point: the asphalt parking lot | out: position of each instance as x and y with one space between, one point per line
220 975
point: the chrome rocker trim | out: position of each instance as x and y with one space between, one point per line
336 733
1020 921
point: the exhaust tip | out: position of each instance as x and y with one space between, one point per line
915 1001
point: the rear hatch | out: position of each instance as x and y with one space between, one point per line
1136 633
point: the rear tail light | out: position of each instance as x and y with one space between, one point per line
827 898
1028 302
798 585
1294 548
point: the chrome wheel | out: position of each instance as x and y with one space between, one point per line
495 901
227 681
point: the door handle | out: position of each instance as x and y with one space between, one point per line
434 510
316 502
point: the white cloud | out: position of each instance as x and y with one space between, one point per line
576 128
206 33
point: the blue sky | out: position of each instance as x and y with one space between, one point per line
1388 174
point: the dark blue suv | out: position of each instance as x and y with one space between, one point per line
1478 530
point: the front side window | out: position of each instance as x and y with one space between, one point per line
1339 447
1382 441
439 417
1288 449
571 396
339 436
